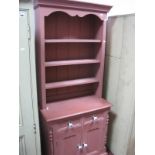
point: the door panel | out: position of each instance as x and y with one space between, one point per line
22 149
67 145
67 139
27 143
94 132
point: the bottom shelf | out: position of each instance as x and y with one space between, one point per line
73 107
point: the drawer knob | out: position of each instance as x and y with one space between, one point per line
79 147
85 145
95 118
70 124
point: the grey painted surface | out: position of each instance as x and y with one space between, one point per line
27 6
26 131
131 144
119 83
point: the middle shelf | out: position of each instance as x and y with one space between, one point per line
71 62
68 83
73 41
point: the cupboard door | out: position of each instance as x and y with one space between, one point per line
67 138
94 134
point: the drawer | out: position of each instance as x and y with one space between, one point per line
95 119
67 127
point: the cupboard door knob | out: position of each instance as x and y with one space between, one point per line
70 125
85 145
94 118
79 147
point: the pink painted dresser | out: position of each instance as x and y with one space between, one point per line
70 51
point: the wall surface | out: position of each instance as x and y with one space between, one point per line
119 83
27 5
120 7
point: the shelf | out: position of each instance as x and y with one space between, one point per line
73 107
72 41
71 62
67 83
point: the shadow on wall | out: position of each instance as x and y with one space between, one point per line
112 115
112 118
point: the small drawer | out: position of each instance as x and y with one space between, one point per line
70 125
95 119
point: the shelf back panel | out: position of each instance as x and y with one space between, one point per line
63 73
71 51
70 92
61 25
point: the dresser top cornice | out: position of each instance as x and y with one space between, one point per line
72 5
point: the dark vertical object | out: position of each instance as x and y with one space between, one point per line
70 49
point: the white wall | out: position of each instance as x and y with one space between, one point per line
119 83
27 5
120 7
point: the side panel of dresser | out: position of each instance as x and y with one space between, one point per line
46 137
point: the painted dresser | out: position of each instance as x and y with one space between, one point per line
70 51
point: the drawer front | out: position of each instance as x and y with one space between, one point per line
67 127
95 119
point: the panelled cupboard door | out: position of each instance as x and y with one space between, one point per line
67 138
84 136
27 143
94 131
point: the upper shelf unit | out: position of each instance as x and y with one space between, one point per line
70 49
72 29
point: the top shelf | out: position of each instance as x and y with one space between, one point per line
72 41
